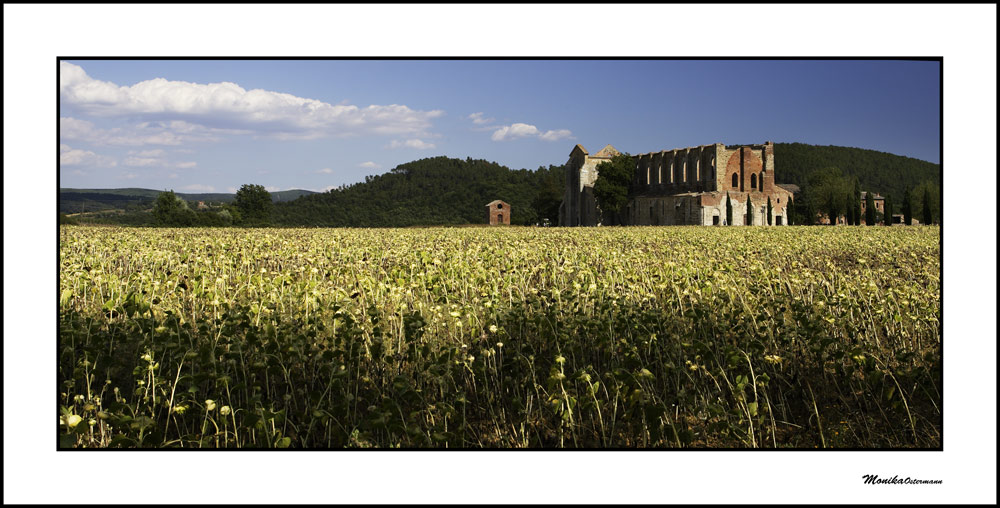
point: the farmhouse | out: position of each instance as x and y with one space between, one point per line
497 212
684 186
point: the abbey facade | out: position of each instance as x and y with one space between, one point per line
686 186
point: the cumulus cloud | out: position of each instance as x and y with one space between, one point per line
517 130
227 105
69 156
523 130
197 187
556 135
411 143
368 164
324 171
477 118
143 161
186 165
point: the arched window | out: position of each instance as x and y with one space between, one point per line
736 181
684 171
697 170
649 171
753 181
671 171
659 173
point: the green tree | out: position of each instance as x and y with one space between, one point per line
829 192
810 213
729 210
770 213
887 214
927 191
870 208
170 210
612 186
749 211
907 209
856 203
927 217
255 205
550 194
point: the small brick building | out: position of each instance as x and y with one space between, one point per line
497 212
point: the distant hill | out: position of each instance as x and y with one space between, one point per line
884 173
433 191
134 199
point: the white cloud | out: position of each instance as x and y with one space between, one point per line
186 165
197 187
477 118
517 130
272 188
368 164
324 171
410 143
523 130
556 135
229 106
73 157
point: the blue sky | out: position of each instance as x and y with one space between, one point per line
211 126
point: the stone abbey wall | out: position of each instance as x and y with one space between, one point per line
685 186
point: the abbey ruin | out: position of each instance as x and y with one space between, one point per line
685 186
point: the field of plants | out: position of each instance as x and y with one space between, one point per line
654 337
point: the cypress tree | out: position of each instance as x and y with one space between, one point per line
729 210
856 202
887 214
907 212
749 211
770 215
869 209
927 217
849 212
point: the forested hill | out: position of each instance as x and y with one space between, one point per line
884 173
433 191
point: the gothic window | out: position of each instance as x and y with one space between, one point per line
736 181
753 181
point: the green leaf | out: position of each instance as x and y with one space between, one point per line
284 442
